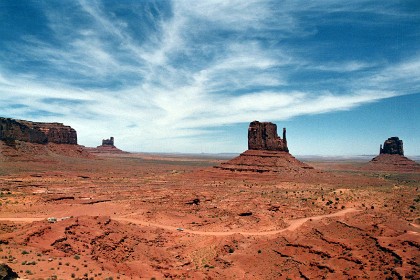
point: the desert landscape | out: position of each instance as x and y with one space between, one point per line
71 212
211 139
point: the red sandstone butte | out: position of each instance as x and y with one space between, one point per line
263 136
267 152
392 146
107 147
391 158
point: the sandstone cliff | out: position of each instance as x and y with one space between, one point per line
392 146
36 132
263 136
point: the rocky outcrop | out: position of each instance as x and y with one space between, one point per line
108 142
6 273
392 146
107 147
391 158
36 132
50 152
265 161
267 152
263 136
392 162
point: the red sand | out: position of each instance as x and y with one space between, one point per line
143 216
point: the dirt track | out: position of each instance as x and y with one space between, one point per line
294 224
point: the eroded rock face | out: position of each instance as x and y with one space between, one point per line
7 273
267 152
108 142
107 147
392 146
263 136
36 132
391 158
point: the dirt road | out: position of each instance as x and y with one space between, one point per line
293 224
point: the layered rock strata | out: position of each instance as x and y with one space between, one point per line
391 158
265 161
263 136
36 132
267 152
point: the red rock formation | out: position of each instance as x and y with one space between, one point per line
267 152
263 136
392 146
36 132
7 273
391 158
395 162
11 130
107 147
108 142
265 161
50 152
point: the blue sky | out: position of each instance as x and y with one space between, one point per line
189 76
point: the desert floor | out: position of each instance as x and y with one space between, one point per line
142 216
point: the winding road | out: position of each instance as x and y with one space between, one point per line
293 224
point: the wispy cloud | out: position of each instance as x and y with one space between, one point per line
197 65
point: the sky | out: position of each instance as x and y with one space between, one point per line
189 76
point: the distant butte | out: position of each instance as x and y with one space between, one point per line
22 140
391 158
392 146
107 147
267 152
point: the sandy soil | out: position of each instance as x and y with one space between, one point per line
138 216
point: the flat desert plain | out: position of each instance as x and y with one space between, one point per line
143 216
